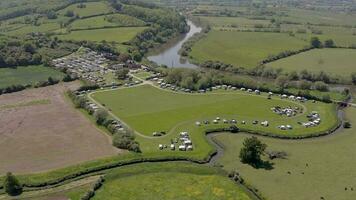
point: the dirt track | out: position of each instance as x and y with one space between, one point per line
46 136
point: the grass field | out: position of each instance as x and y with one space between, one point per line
25 29
333 61
329 171
233 21
147 109
27 75
170 181
107 21
244 49
91 8
119 35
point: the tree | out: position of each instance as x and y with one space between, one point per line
100 116
353 78
315 42
282 81
123 57
122 73
69 13
326 98
252 150
321 86
347 124
329 43
12 185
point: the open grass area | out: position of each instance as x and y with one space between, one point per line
26 28
107 21
90 9
119 35
245 49
233 21
27 75
170 181
333 61
321 167
147 109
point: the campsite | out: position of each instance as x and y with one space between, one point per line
162 99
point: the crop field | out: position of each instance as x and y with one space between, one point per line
42 128
27 75
91 8
119 35
334 61
147 109
321 167
114 20
245 49
174 180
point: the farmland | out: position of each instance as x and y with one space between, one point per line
318 167
107 21
27 75
247 50
118 35
90 9
147 109
176 180
42 128
334 61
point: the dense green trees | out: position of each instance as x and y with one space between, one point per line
126 140
315 42
122 73
11 185
251 151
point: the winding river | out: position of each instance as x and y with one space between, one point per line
168 54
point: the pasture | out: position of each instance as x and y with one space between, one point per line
28 75
333 61
90 9
147 109
42 128
113 20
319 167
233 21
173 180
119 35
243 49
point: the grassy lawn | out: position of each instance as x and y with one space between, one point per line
333 61
25 29
173 180
91 8
143 74
245 49
27 75
109 34
107 21
147 109
329 171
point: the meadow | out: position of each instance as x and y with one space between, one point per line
119 35
173 180
90 9
333 61
243 49
27 75
320 167
233 21
147 109
107 21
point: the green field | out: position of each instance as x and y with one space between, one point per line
91 8
25 29
119 35
169 181
233 21
147 109
245 49
331 167
333 61
107 21
27 75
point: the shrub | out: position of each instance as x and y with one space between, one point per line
100 116
252 150
347 124
12 185
321 86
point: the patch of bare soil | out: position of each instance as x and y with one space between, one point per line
41 137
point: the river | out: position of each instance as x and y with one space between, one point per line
168 54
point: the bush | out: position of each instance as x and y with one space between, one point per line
126 140
100 116
12 185
321 86
347 124
252 150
